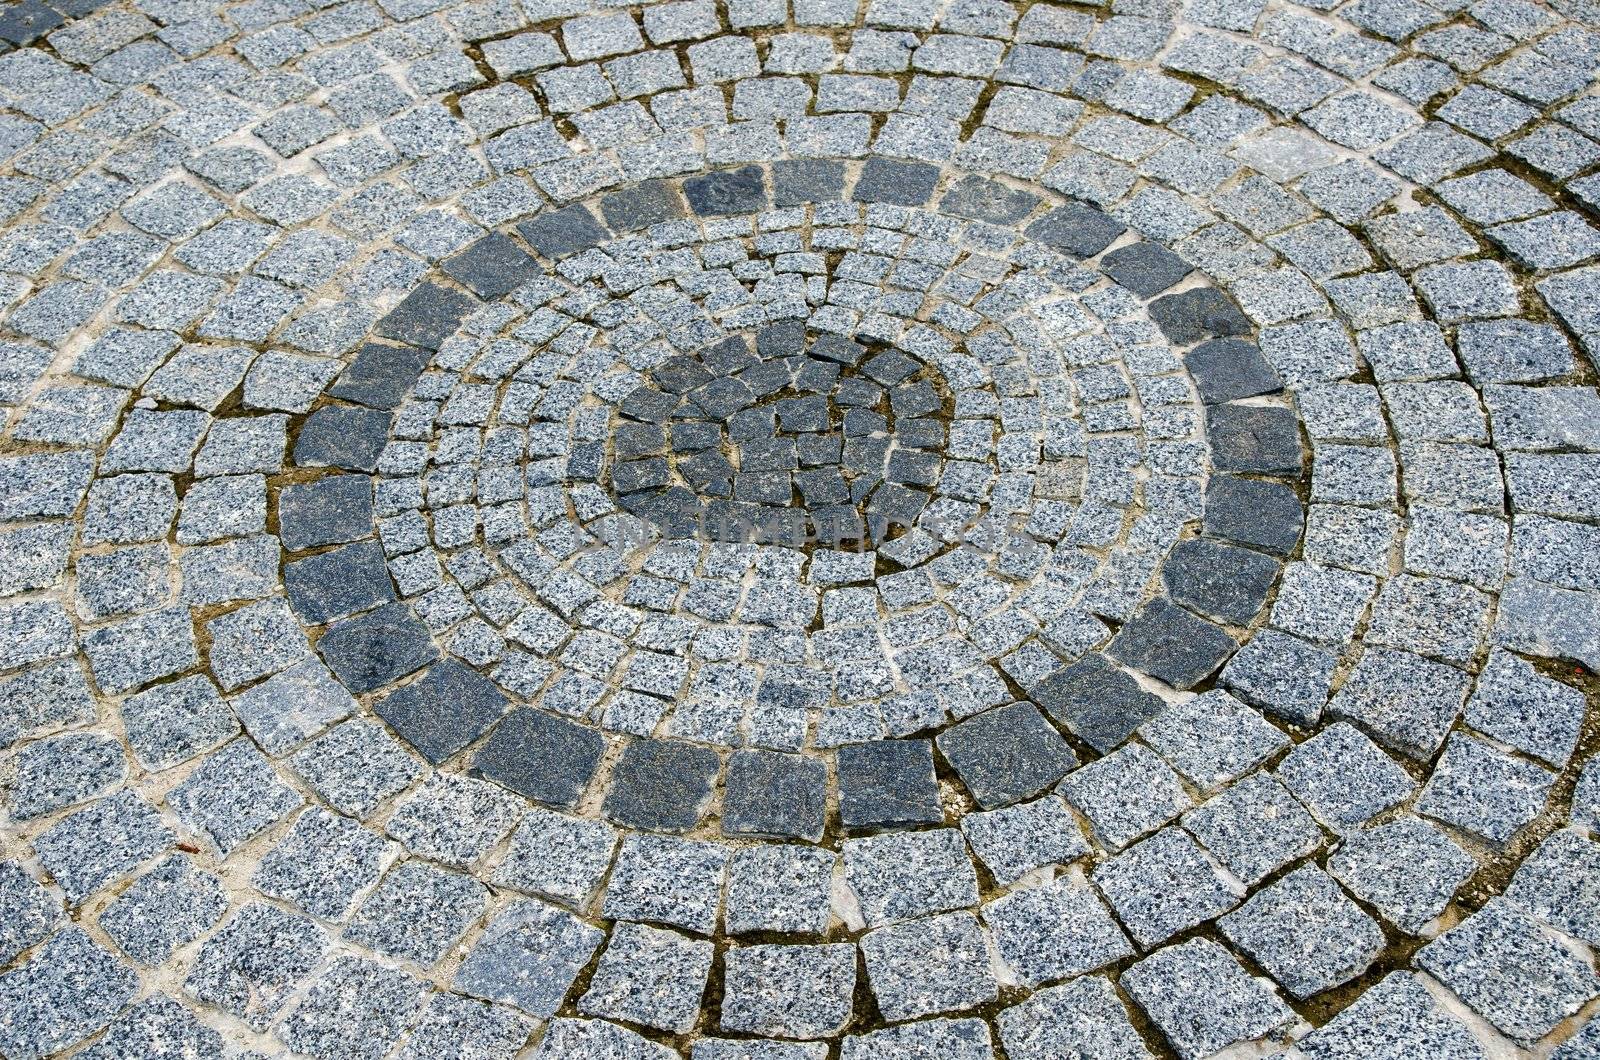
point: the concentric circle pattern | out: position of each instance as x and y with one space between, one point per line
797 529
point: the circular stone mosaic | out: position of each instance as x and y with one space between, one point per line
788 531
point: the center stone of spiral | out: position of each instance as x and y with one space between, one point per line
786 436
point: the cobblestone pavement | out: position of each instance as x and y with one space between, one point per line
797 529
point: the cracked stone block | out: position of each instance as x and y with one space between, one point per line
418 912
1254 828
557 856
427 316
255 963
1212 739
538 755
102 843
292 706
452 1025
1556 883
528 957
63 771
1168 643
1230 369
925 967
1096 701
328 511
30 911
355 766
888 782
661 785
1006 754
373 649
1407 702
1015 840
779 888
338 436
1514 704
1125 795
772 794
1084 1018
1343 778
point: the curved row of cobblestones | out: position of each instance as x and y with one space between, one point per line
763 531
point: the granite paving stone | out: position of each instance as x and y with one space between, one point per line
1510 971
69 990
1396 1018
256 962
1055 932
727 487
1305 932
355 1010
649 976
1164 885
1405 869
417 912
528 956
233 796
1203 1000
898 876
923 967
168 907
799 991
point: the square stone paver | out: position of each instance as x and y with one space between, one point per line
1202 1000
902 875
1164 885
417 913
924 967
666 880
528 957
1305 932
649 976
256 962
789 991
1055 932
1406 869
1510 971
68 990
780 888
